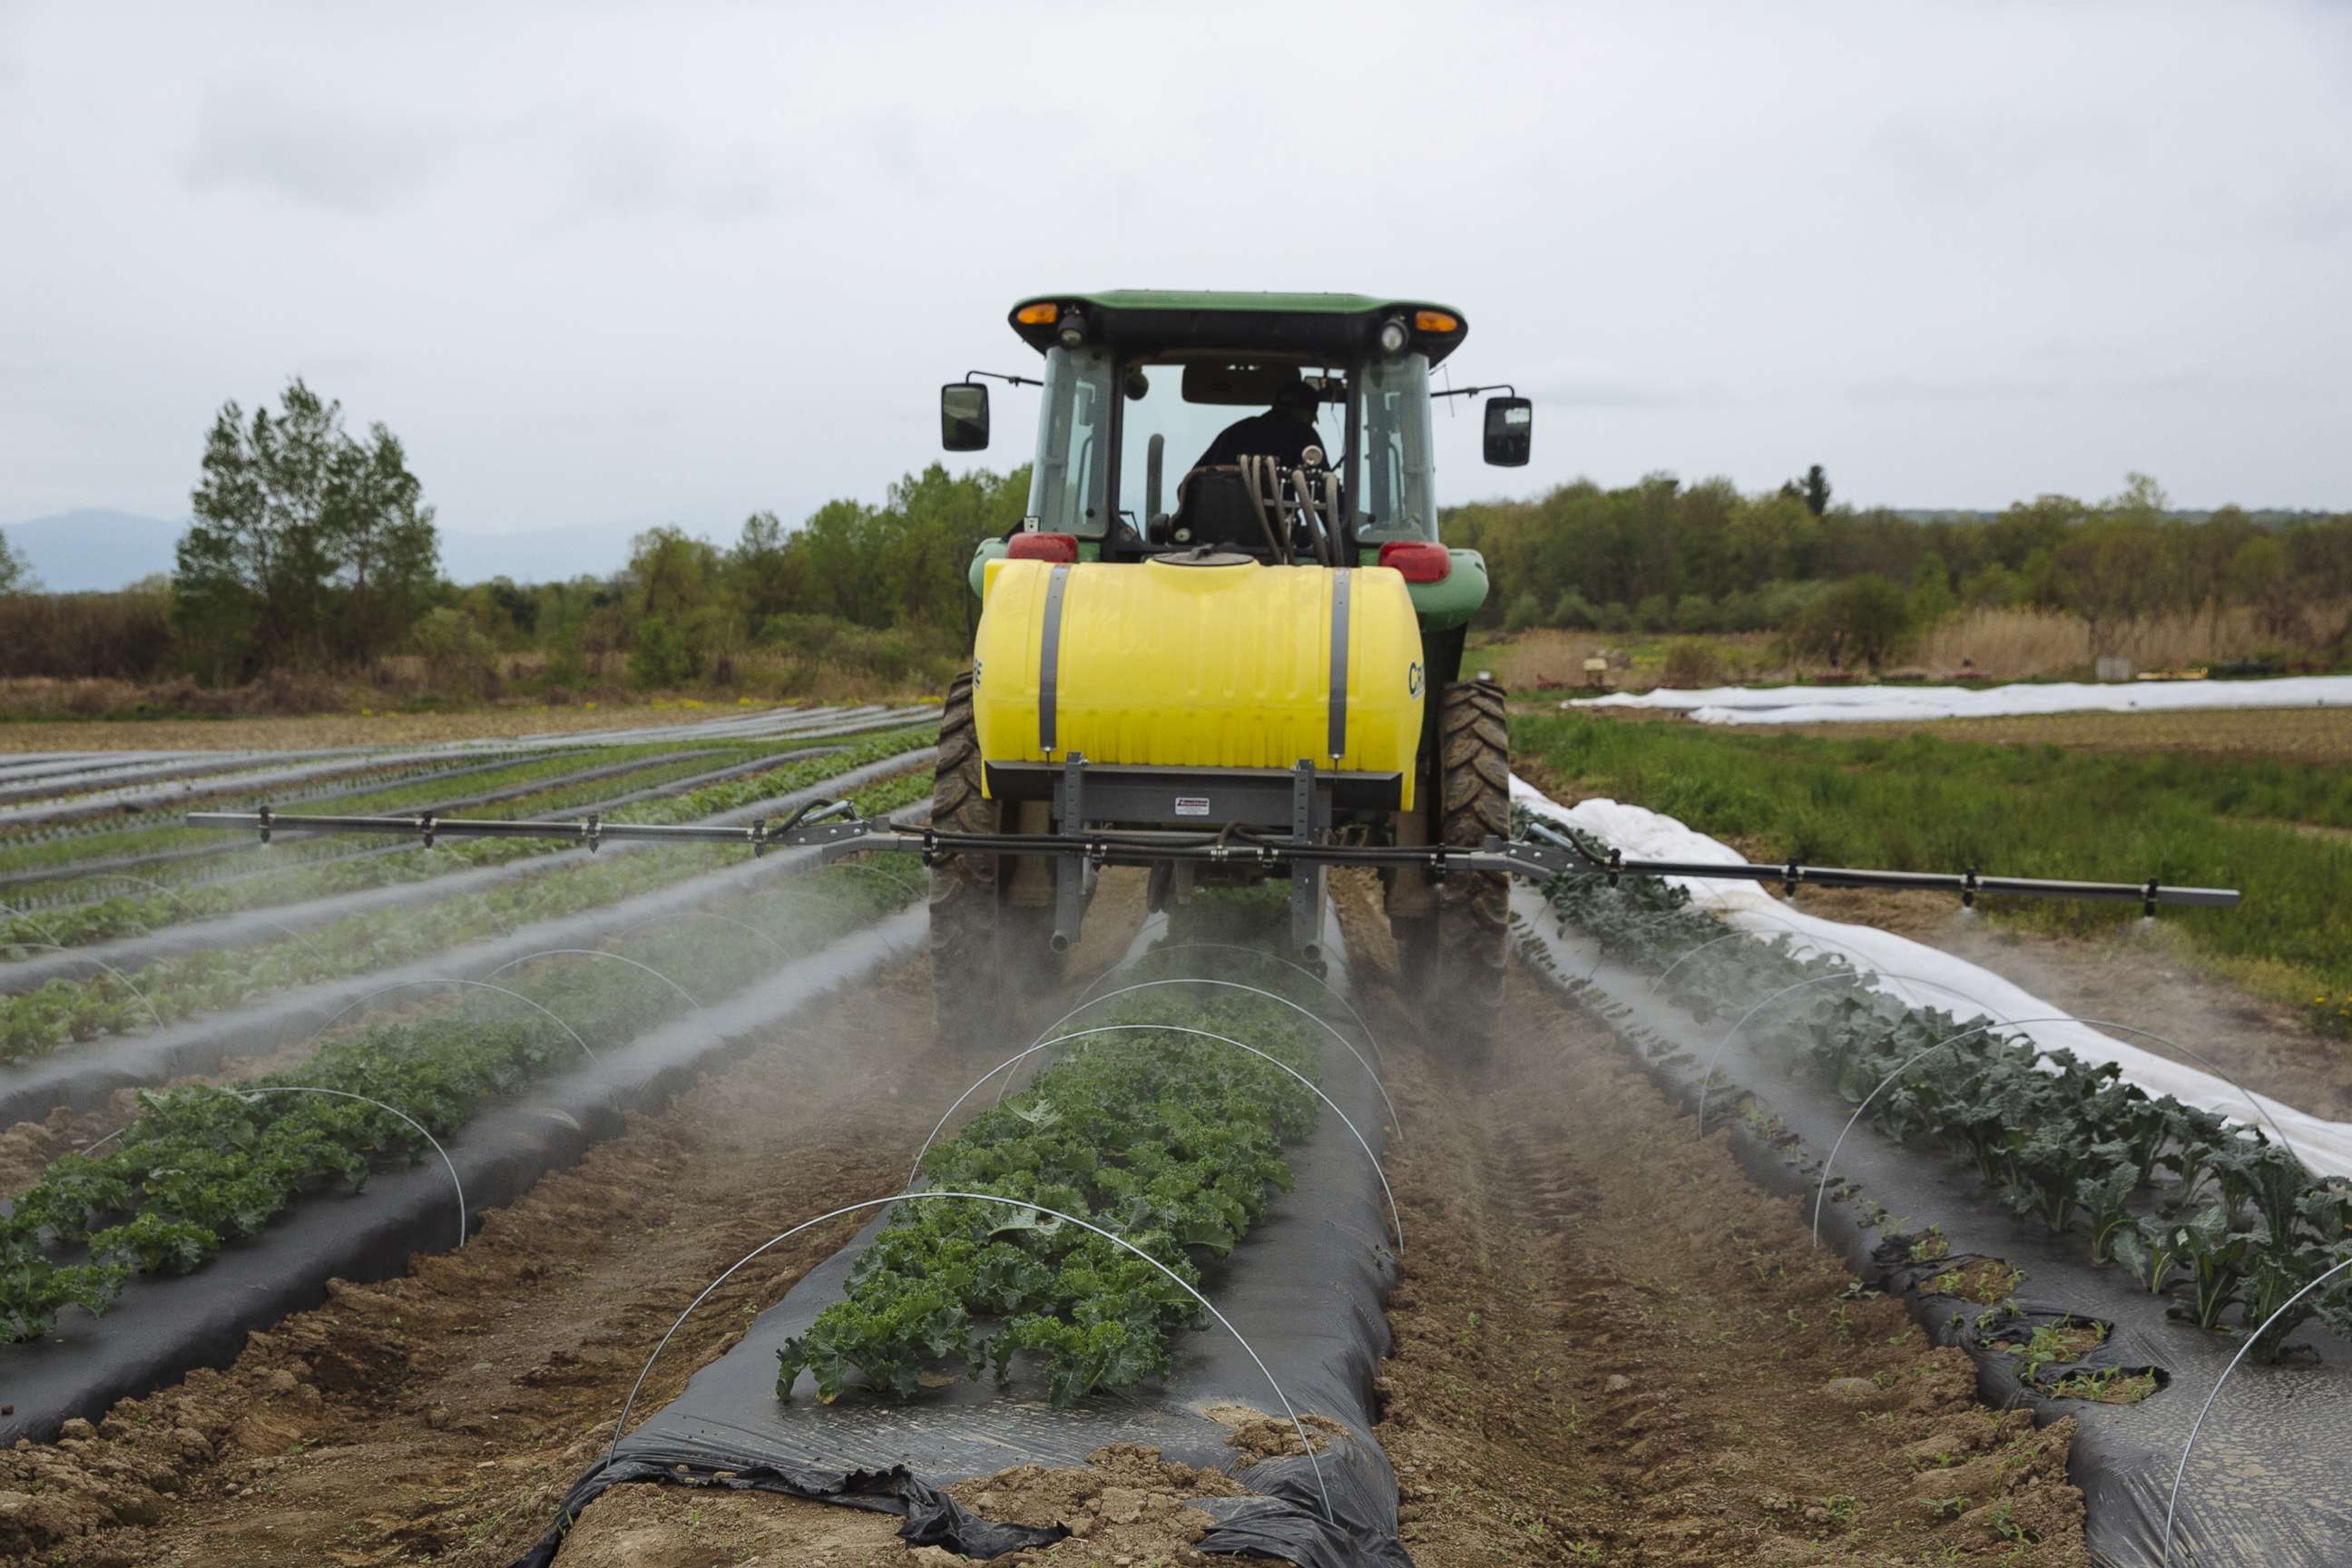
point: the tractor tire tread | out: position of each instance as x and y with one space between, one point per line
1473 908
965 975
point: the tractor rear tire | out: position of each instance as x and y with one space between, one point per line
1472 777
967 980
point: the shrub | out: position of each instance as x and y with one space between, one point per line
458 656
658 656
120 636
1690 663
1864 618
1573 611
1697 612
1526 612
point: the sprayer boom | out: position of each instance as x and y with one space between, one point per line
1541 856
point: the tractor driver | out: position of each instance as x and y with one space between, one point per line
1283 432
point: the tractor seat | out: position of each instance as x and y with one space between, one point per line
1213 507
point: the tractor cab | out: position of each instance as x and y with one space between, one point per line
1292 428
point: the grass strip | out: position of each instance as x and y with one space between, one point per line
1919 802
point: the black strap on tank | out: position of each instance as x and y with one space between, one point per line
1049 658
1339 662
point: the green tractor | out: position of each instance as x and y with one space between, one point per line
1226 613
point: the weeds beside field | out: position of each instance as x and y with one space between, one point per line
1921 803
2287 734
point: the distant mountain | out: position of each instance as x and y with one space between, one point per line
92 548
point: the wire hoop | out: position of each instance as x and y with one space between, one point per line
915 1172
1298 1425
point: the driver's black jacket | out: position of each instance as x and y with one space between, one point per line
1269 435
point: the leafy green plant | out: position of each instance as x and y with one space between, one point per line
202 1166
2178 1197
1169 1141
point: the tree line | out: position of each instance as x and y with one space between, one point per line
312 550
1661 556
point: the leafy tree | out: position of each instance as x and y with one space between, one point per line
1571 611
1991 587
309 546
458 656
763 569
658 656
1864 618
15 577
2261 575
2116 576
1817 491
669 572
1931 591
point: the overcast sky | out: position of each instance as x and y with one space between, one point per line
603 268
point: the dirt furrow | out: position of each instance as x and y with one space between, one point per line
1610 1348
1613 1348
439 1416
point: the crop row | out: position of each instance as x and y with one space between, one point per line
63 1010
151 833
1169 1141
71 833
2217 1215
322 866
201 1167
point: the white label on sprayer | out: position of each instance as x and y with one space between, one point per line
1191 805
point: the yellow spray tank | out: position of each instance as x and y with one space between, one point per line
1199 663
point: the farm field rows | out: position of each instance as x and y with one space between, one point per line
1577 1371
129 988
1606 1343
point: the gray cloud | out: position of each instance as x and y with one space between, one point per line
302 145
603 264
1956 389
637 168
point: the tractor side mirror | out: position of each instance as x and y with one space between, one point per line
1510 423
963 417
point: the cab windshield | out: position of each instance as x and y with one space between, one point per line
1164 434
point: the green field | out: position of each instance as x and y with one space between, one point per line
2279 830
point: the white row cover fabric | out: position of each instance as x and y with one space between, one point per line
2325 1146
1880 704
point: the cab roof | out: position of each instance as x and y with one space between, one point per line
1343 326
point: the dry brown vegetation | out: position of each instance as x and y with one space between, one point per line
2023 643
2290 734
2002 645
309 731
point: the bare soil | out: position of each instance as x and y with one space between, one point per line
1610 1348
